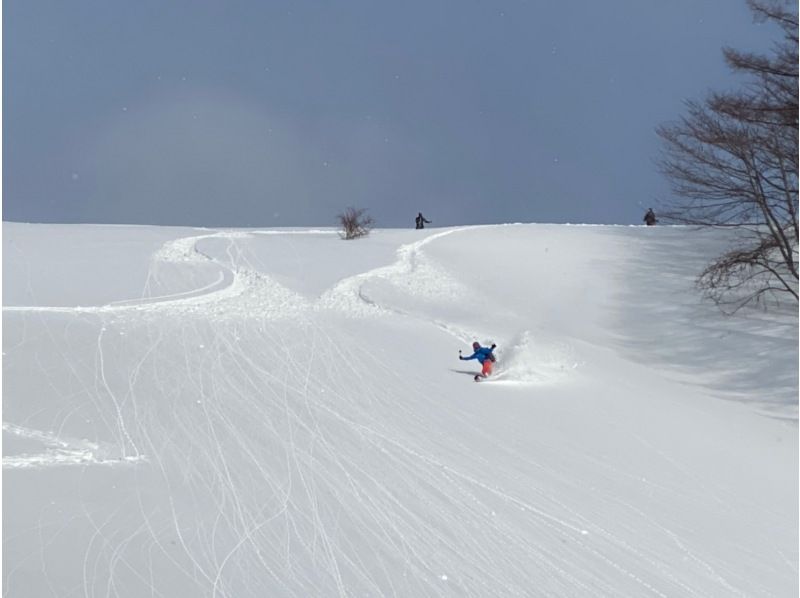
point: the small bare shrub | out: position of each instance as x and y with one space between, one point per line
355 223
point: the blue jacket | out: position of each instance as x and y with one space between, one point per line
481 355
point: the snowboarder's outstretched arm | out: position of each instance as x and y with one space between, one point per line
483 352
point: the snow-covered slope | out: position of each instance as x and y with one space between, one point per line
192 412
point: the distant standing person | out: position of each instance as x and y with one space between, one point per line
421 221
650 217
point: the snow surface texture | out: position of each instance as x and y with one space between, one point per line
243 413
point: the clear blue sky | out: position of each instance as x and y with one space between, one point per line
282 113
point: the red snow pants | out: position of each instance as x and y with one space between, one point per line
487 367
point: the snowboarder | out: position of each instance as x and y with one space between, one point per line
421 221
650 217
484 356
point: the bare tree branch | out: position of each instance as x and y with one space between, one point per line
733 163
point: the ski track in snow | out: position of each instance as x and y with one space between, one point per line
239 290
61 451
280 505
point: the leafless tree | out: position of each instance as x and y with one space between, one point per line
733 162
355 223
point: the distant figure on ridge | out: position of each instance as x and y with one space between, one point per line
484 356
650 217
421 221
